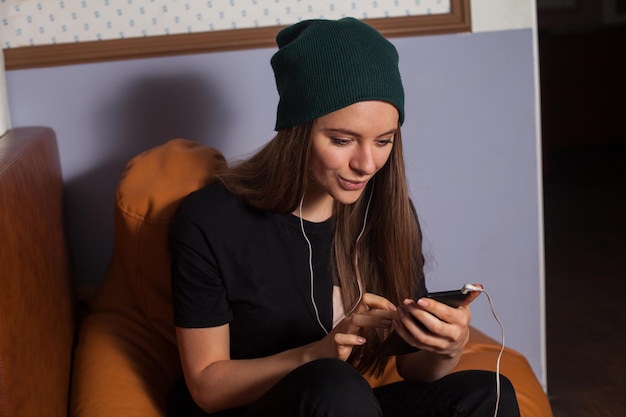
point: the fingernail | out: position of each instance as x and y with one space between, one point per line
422 302
361 340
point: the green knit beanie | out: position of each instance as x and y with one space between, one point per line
326 65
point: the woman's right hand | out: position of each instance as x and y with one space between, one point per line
372 311
216 382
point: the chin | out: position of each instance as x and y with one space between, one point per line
348 198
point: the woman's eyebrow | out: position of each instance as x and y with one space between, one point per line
357 134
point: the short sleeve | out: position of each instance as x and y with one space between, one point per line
198 293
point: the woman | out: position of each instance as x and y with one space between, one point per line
291 269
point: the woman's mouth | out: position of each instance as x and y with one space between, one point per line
352 185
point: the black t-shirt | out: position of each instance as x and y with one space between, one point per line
234 264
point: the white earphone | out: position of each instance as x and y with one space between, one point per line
469 287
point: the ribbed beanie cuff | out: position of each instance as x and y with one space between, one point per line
324 65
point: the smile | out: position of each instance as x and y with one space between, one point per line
352 185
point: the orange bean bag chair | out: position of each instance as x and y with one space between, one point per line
126 358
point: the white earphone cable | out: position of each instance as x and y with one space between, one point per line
493 311
317 313
312 284
495 316
356 256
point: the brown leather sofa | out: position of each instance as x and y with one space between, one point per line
36 298
125 358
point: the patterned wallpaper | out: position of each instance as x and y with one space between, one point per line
44 22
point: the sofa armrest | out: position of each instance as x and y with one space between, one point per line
36 303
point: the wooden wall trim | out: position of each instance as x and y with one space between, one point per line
458 20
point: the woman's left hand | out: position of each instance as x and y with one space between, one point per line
440 331
434 326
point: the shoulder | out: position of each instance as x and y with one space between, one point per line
211 202
210 199
214 208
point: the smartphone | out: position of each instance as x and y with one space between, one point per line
452 298
394 344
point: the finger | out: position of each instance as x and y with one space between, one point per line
433 330
429 336
381 313
374 301
343 340
374 318
412 318
459 316
409 329
344 343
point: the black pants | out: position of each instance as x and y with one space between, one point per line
330 388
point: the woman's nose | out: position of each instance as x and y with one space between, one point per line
363 161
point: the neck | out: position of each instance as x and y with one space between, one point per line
315 210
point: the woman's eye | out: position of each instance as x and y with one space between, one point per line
383 142
340 142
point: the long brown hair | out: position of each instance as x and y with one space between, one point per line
387 258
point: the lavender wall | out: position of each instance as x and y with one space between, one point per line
471 150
